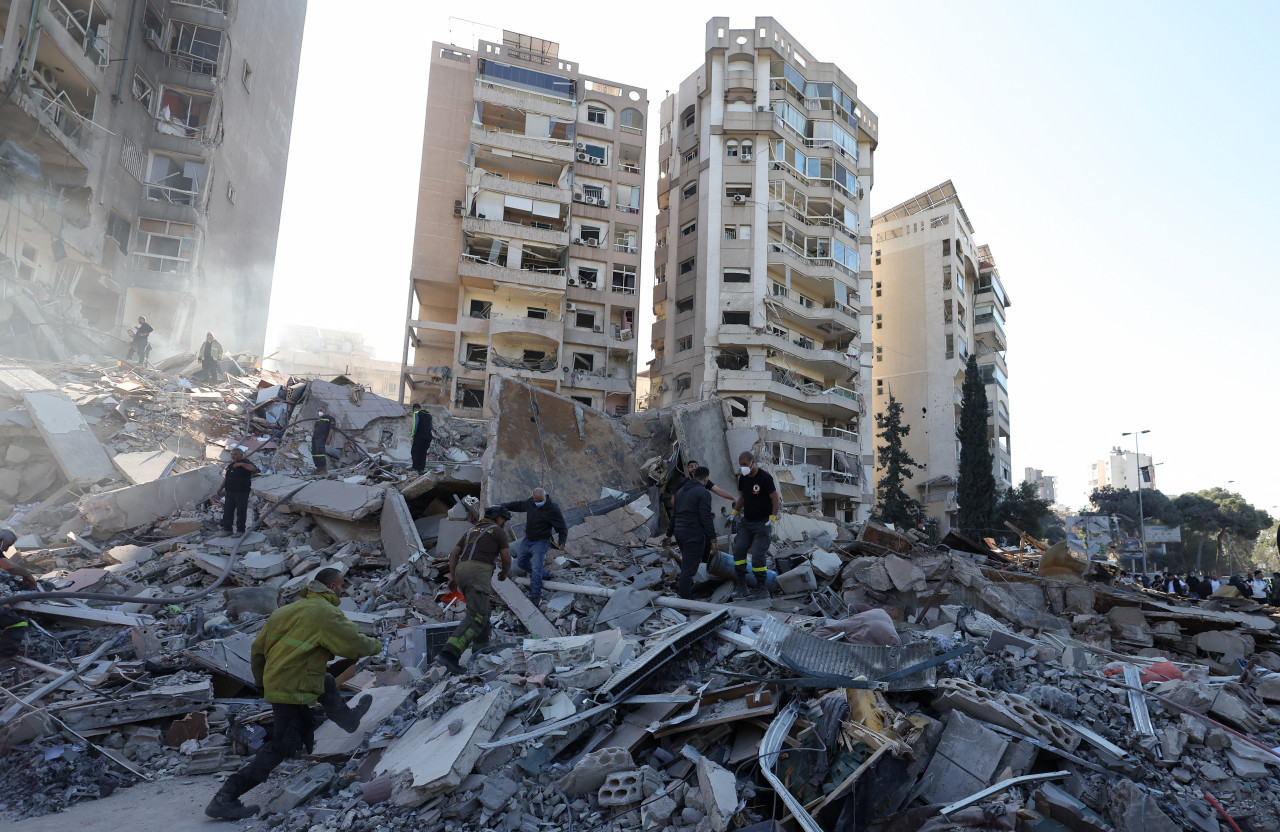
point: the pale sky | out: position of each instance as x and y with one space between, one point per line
1118 158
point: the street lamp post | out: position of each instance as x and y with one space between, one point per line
1142 529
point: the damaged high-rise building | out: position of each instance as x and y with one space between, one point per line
938 298
762 294
143 146
527 246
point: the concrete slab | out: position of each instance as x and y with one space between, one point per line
719 793
333 741
964 762
400 540
347 531
77 451
332 498
171 805
145 466
136 505
700 431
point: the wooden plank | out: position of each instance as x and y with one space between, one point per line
85 614
519 603
333 741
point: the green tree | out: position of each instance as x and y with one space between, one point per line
1201 521
976 488
893 504
1155 505
1227 517
1023 507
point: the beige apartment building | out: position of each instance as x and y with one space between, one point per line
143 146
527 248
1121 470
762 291
938 298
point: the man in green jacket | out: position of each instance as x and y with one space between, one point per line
289 660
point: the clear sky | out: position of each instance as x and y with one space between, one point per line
1119 158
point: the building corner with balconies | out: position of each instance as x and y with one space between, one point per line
527 246
142 166
938 298
761 292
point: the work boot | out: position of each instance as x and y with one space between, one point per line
226 803
741 590
760 593
347 717
535 599
450 663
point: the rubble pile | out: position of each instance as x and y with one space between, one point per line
886 684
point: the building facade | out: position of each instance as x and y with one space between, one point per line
761 294
315 352
1122 469
1046 487
143 146
526 255
938 298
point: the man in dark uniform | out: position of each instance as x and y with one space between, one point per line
236 486
543 519
759 504
320 441
210 355
139 343
693 527
471 565
13 627
420 433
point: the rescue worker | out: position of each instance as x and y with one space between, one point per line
471 564
420 433
236 485
759 506
210 355
712 487
289 659
13 627
139 344
320 440
693 527
544 518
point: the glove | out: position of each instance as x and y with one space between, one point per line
772 517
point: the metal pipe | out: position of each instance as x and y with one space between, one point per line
124 54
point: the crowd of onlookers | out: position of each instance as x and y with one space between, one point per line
1190 585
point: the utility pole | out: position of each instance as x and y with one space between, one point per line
1142 530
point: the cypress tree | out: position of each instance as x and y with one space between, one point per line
976 489
893 504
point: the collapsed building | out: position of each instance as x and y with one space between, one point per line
886 684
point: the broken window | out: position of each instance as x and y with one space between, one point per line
183 112
477 354
588 275
194 48
736 318
596 115
143 90
537 312
688 265
691 156
683 382
684 344
624 280
480 308
688 117
164 246
176 181
946 248
689 190
533 356
118 229
584 400
684 305
629 158
470 397
584 361
739 408
737 276
586 320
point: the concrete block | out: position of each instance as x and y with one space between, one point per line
964 762
621 788
798 580
1128 624
719 793
136 505
827 564
590 772
258 600
1228 644
905 575
497 791
145 466
400 540
332 498
868 572
300 788
77 451
263 565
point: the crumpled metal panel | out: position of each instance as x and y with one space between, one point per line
636 671
809 654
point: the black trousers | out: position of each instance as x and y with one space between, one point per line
13 632
692 550
209 370
419 453
236 508
139 346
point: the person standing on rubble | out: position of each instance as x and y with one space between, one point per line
471 564
544 518
320 441
759 505
693 527
236 485
210 355
692 467
140 344
420 434
13 627
1259 587
289 659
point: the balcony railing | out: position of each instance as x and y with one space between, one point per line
171 195
840 433
776 247
625 248
622 289
57 107
95 48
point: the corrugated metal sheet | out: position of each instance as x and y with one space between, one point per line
814 656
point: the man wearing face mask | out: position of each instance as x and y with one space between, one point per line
320 441
759 504
544 518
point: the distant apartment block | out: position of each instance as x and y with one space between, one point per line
526 256
762 293
938 298
314 352
143 146
1045 486
1122 469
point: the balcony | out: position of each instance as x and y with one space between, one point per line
560 108
498 228
532 190
483 274
548 327
989 330
839 403
839 484
595 381
844 441
825 362
833 317
816 267
77 31
754 122
559 150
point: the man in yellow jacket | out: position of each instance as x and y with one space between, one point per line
289 660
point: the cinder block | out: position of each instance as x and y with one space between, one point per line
622 788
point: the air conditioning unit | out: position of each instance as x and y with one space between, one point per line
762 109
577 197
153 39
744 157
593 200
581 145
583 157
596 160
578 241
570 307
604 203
589 284
739 199
457 210
598 328
591 241
573 281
